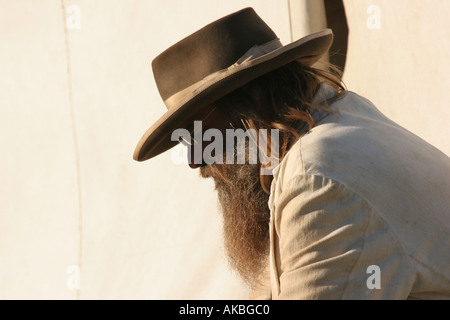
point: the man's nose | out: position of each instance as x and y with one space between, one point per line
194 166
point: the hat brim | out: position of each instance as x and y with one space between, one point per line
157 139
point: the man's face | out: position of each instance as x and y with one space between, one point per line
244 206
243 202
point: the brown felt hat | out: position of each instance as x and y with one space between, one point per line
214 61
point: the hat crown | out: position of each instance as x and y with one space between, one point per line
214 47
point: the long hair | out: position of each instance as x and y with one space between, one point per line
281 99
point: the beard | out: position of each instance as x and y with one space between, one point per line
245 212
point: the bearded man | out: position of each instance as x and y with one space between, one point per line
350 205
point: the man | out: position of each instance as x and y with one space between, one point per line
342 204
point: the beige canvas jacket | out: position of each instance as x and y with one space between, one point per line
360 209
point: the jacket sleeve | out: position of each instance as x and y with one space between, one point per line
330 243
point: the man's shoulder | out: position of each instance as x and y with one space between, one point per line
333 141
357 145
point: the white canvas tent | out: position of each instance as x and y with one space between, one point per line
79 219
